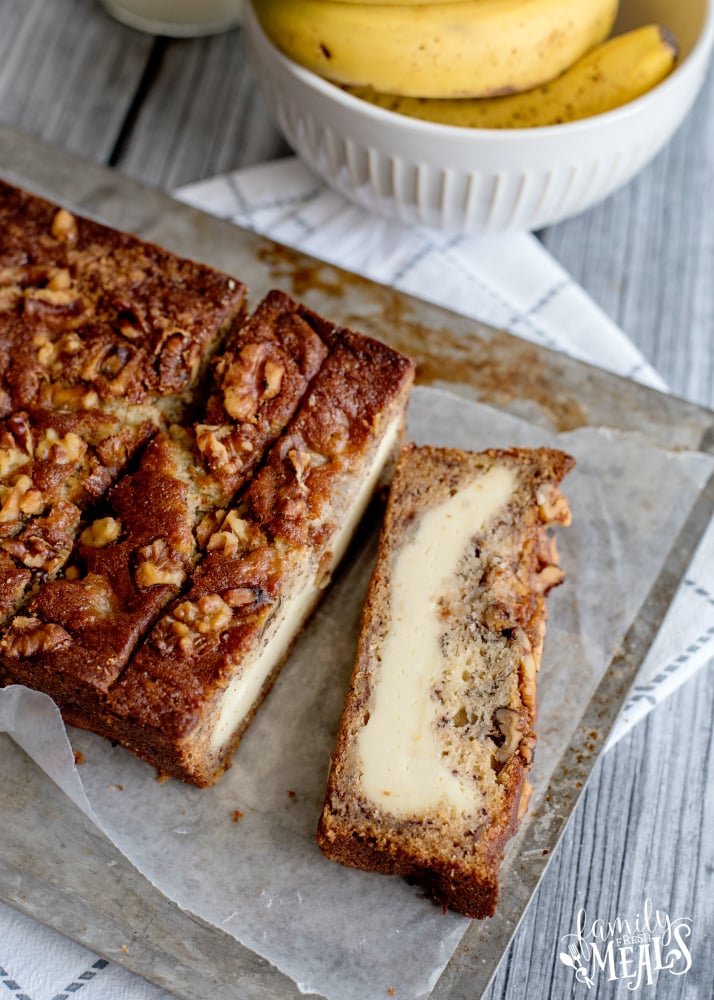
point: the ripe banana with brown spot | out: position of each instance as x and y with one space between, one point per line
472 48
612 74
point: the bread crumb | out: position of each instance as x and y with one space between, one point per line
291 793
125 949
237 814
78 758
391 991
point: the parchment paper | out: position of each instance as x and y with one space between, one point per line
243 855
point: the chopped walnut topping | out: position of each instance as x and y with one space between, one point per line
131 323
10 296
60 279
209 614
99 602
11 457
29 636
55 308
273 377
50 351
19 499
238 597
64 227
252 377
158 565
210 445
209 523
235 535
68 397
223 447
225 542
101 532
64 451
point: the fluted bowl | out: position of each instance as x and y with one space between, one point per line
480 180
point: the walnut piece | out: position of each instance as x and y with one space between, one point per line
101 532
158 565
62 450
252 377
19 499
11 458
64 227
208 614
68 397
552 504
49 352
273 378
29 636
508 721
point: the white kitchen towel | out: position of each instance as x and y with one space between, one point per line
509 281
37 963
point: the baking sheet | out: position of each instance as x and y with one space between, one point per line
474 361
256 873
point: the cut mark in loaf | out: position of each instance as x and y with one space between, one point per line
428 779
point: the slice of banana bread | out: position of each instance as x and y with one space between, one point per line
428 779
189 693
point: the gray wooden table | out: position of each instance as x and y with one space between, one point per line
170 112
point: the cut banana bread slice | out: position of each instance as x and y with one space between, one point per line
428 779
189 693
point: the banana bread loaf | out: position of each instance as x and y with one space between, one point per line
428 779
176 482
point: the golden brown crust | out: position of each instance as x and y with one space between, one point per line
487 715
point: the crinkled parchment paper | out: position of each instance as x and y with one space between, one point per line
347 934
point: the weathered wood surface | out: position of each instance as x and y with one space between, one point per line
170 112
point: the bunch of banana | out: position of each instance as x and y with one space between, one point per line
440 48
610 75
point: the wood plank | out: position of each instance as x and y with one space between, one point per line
203 115
68 72
647 255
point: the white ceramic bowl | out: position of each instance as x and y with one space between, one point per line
478 180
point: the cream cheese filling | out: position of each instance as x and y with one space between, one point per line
402 765
246 686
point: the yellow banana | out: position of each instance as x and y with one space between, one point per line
612 74
472 48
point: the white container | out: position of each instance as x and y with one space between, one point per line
480 180
177 18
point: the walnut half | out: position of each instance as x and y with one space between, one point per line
29 636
